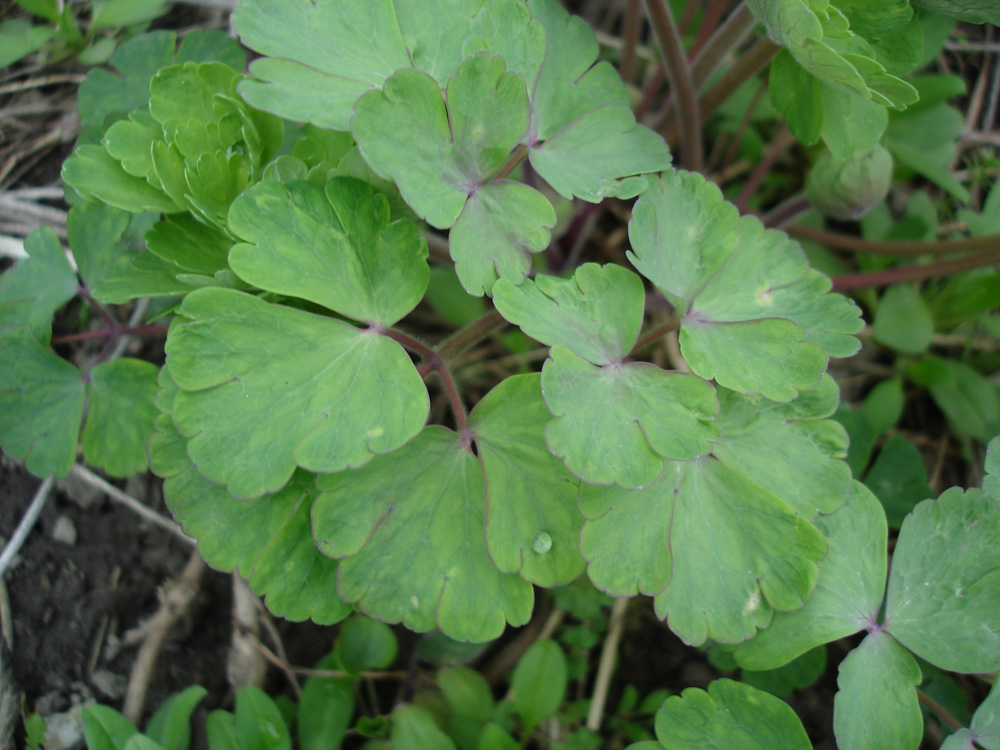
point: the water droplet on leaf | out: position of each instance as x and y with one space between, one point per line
542 542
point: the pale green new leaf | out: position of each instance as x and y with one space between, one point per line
94 173
943 600
189 244
19 38
332 246
729 715
754 316
41 404
271 532
501 225
596 314
876 706
532 521
120 416
283 388
789 449
37 286
438 153
618 422
849 592
409 527
718 552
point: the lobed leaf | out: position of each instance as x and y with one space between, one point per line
409 529
37 286
120 415
332 246
283 388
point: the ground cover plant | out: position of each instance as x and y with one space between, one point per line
295 224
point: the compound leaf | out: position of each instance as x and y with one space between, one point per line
754 330
762 554
500 226
618 422
189 244
95 174
730 714
849 592
596 314
41 404
943 600
788 449
267 540
876 705
409 527
332 246
532 521
985 725
95 233
37 286
120 416
283 388
439 153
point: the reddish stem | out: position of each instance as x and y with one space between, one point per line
108 332
914 273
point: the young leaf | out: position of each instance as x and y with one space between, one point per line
753 330
903 321
37 286
332 246
120 416
170 726
764 554
539 683
729 715
985 726
899 479
271 532
532 522
413 728
189 244
331 395
106 729
97 175
876 705
259 725
41 404
945 582
849 592
409 527
19 38
325 709
364 644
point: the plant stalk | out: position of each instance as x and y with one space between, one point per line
662 330
721 44
894 247
915 273
632 27
678 73
469 336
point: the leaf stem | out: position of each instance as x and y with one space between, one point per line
661 330
469 336
455 399
632 27
894 247
721 44
678 73
411 343
916 272
123 331
516 159
941 711
778 146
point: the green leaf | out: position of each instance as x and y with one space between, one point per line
331 396
267 540
618 422
141 275
170 726
590 156
991 482
259 725
899 479
467 692
19 38
944 589
95 233
439 154
596 314
797 94
409 526
800 672
495 738
120 416
754 330
851 123
325 710
876 705
365 644
532 522
220 726
849 592
903 321
985 725
332 246
106 729
47 9
191 245
37 286
971 11
729 715
95 174
413 728
539 683
41 405
141 742
655 541
450 300
803 459
500 226
121 13
969 401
